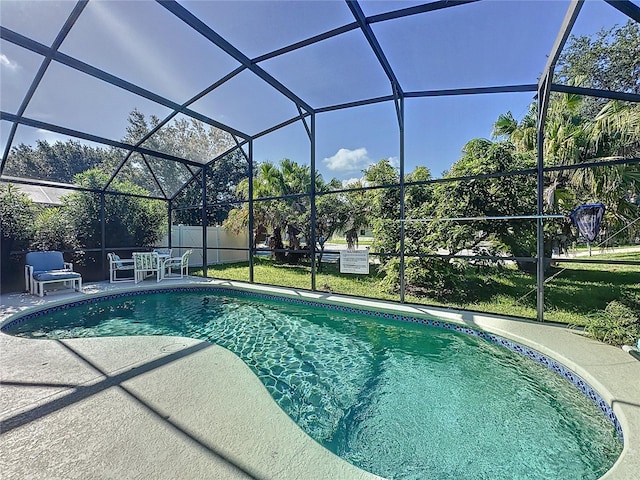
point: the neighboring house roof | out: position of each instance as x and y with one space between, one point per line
43 195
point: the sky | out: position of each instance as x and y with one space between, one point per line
488 43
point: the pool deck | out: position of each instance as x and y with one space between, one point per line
173 407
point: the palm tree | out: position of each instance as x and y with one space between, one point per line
522 134
570 139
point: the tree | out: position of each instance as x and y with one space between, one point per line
573 138
54 231
332 215
59 161
608 60
582 129
505 196
384 209
288 218
419 203
191 140
522 134
187 139
358 207
434 276
607 129
223 178
129 221
16 221
268 215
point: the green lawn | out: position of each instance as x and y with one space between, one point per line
578 292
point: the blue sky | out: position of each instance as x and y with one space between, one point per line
486 43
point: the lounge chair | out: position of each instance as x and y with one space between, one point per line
49 267
117 264
177 263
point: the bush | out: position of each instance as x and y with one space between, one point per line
427 277
16 221
130 220
618 324
53 231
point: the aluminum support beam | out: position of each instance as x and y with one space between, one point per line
64 31
544 91
205 265
103 234
199 26
558 45
92 138
527 87
400 106
170 222
307 42
427 7
311 242
75 188
595 92
532 87
543 103
630 9
83 67
375 46
252 246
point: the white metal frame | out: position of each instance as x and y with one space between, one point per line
117 264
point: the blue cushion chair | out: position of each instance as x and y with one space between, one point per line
49 267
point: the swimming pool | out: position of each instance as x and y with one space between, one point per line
398 399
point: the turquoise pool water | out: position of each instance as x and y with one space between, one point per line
400 400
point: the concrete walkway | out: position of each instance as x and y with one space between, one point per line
178 408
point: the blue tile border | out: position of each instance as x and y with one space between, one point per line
534 355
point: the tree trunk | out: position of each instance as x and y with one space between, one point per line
276 244
319 263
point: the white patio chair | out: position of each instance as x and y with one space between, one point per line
145 264
177 263
117 264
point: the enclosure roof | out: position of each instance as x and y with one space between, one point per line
242 70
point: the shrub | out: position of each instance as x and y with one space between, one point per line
433 277
53 231
16 221
618 324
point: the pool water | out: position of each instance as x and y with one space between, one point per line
400 400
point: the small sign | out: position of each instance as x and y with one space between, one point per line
354 261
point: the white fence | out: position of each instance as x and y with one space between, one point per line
185 237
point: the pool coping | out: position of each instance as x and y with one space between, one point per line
615 375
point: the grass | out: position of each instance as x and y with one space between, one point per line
573 297
362 241
299 276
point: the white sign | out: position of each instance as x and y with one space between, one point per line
354 261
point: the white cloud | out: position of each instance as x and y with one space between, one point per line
350 181
394 161
53 137
5 62
346 160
